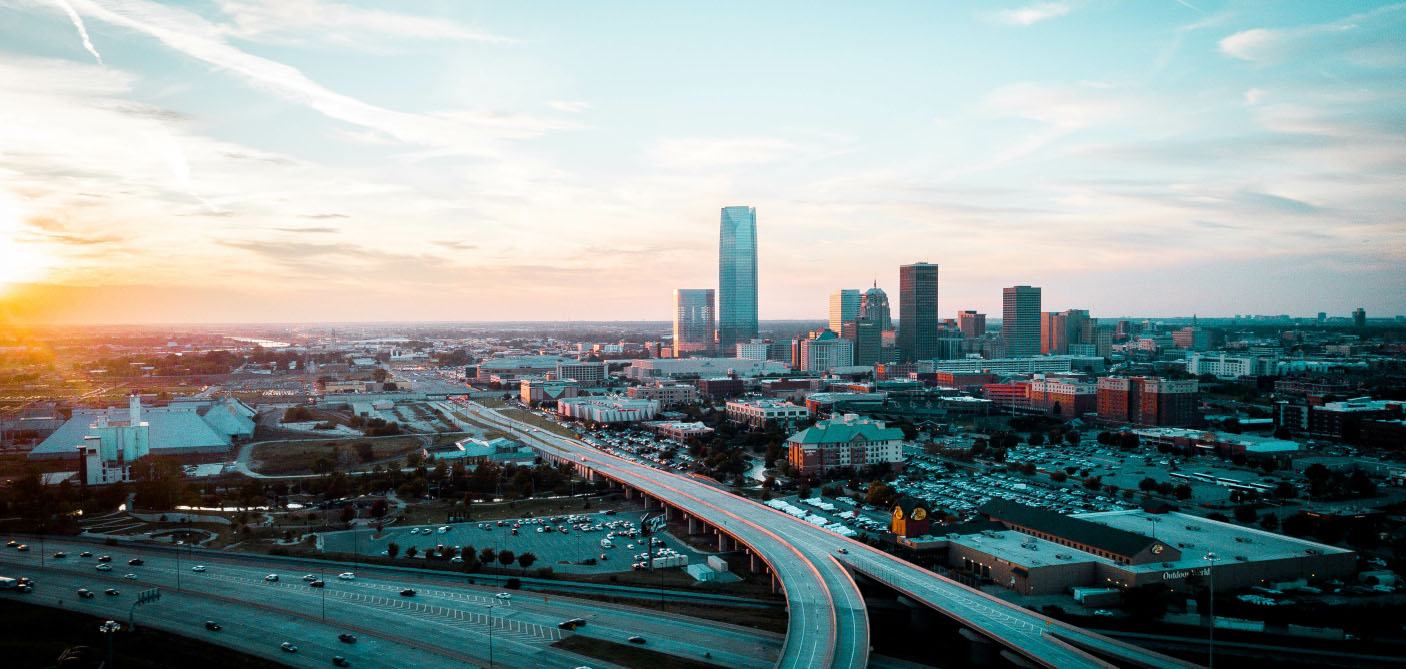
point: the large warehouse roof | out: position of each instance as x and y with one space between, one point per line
175 430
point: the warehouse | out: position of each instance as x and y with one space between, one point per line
179 429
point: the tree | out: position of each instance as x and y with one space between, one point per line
1182 491
379 508
1072 437
526 560
487 555
506 557
348 514
1035 439
1058 476
411 552
1148 484
880 494
379 375
392 549
1269 522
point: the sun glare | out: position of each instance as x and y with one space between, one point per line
19 262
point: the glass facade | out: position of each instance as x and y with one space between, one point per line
917 312
1020 321
693 320
737 277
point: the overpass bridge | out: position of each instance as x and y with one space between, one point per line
828 624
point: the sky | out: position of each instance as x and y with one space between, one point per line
311 160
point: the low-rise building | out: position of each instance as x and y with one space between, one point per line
845 441
1067 398
758 413
611 409
537 390
667 394
588 374
680 430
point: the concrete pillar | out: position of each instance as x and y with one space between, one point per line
629 492
752 563
670 512
983 650
722 542
692 526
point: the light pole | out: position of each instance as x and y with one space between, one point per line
178 566
490 634
322 576
107 629
1211 610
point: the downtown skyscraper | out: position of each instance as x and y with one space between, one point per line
693 321
844 309
1020 321
917 312
737 278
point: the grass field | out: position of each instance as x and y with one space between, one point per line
536 419
36 635
298 457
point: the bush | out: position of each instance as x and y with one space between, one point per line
513 583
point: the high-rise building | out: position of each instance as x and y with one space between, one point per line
1060 330
1359 318
917 312
844 309
1020 321
868 342
972 324
693 321
755 349
874 305
737 277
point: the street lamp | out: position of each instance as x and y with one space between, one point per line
107 629
490 634
1211 610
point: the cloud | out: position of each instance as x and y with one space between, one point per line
685 153
570 106
1369 39
1033 13
312 230
304 21
458 131
82 30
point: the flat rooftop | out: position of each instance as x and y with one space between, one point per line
1197 536
1025 550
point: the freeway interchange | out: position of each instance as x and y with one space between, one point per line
828 623
446 623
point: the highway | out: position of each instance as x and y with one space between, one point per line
820 578
446 621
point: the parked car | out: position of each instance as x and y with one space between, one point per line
105 558
346 576
319 583
346 638
212 626
504 595
339 661
60 555
407 593
86 554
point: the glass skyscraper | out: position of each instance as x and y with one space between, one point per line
1020 321
693 321
737 278
917 312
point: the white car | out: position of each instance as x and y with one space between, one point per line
104 567
346 576
200 568
130 577
271 578
503 595
309 578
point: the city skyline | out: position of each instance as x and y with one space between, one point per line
444 163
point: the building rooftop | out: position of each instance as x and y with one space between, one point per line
848 427
1196 536
1025 550
1114 540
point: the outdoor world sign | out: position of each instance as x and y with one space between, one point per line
1183 573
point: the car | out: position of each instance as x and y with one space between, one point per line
86 554
339 661
504 595
842 551
111 592
1103 613
11 543
200 568
84 593
271 578
212 626
136 562
25 588
572 624
346 638
130 577
603 556
60 555
407 593
288 647
310 578
636 639
104 567
319 583
105 558
346 576
23 548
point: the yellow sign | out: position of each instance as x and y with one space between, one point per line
920 513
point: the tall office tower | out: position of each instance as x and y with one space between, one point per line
972 324
917 312
844 308
693 321
1020 321
1359 318
1322 317
868 342
737 277
1061 330
874 305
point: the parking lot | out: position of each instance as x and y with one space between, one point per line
961 492
572 540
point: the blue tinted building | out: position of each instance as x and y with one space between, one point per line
737 278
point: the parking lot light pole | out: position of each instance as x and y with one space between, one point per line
1211 610
490 635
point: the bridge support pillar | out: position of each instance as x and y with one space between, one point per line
670 513
629 492
983 651
692 526
751 562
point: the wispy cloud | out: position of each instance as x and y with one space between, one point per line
1371 39
570 106
1033 13
82 30
313 21
709 153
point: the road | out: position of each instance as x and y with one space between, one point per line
457 616
820 578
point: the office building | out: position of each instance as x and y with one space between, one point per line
874 305
917 312
1193 338
844 309
1020 321
868 342
1359 318
588 374
755 349
826 351
534 391
1149 400
1067 398
844 441
1227 366
737 277
972 324
693 321
667 394
760 413
651 369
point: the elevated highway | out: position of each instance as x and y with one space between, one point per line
828 622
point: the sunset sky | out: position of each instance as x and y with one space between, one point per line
309 160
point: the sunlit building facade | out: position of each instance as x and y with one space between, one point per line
737 277
693 320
